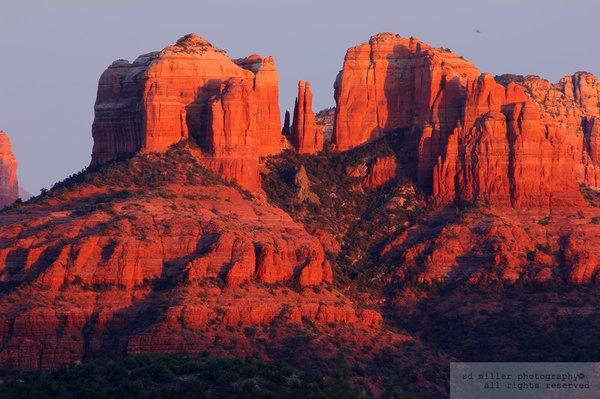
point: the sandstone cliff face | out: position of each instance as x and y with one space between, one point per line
515 141
233 139
505 154
393 82
306 135
570 111
266 87
164 97
9 186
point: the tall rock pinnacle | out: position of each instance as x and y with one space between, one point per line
306 135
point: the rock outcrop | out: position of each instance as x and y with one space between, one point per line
499 247
306 135
393 82
512 141
165 97
234 141
9 186
502 153
380 171
570 109
266 87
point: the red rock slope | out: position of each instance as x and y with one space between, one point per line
135 259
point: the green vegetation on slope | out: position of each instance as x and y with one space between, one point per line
361 221
146 173
174 376
527 324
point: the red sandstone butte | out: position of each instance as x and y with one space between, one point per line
306 135
165 97
512 141
9 186
393 82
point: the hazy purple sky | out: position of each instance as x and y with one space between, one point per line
53 52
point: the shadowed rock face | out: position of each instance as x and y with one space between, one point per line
165 97
9 186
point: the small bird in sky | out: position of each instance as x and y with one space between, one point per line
477 30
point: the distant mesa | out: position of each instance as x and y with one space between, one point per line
325 118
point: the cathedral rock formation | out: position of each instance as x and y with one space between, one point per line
393 82
306 135
509 141
164 97
9 187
